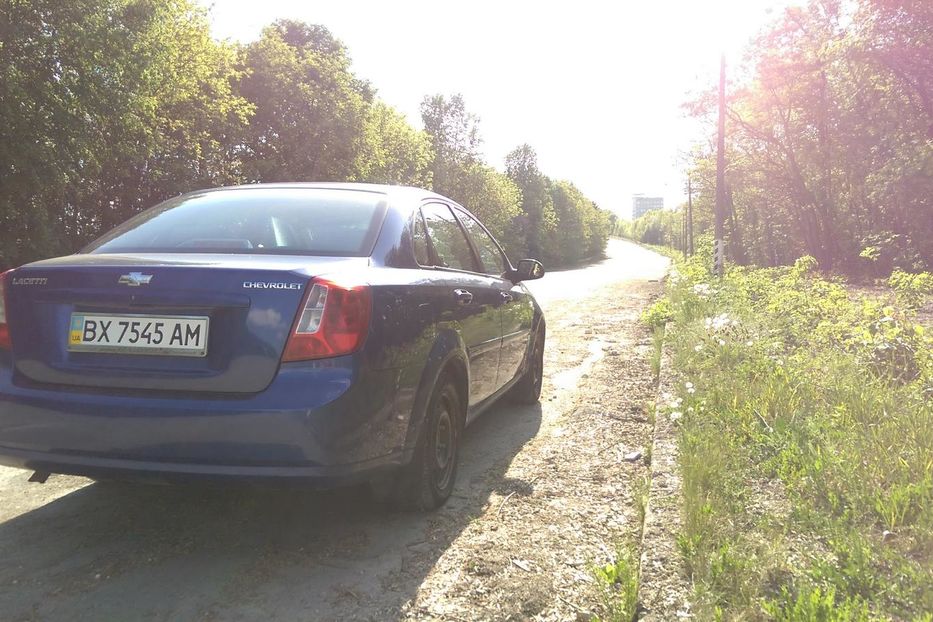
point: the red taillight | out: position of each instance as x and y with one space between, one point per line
333 320
4 327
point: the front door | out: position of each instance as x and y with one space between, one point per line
516 306
473 300
517 317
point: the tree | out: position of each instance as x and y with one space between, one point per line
310 109
105 107
829 152
521 165
392 151
496 200
110 106
454 136
458 170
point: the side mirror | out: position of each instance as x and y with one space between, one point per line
527 270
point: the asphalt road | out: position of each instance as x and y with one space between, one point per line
71 549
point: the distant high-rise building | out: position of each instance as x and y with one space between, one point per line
641 204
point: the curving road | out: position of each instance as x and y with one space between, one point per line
74 550
624 261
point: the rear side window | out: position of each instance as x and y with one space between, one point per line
450 243
489 253
284 221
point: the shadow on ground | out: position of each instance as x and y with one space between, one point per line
121 552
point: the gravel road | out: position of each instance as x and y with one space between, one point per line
543 493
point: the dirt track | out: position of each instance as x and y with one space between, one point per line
543 493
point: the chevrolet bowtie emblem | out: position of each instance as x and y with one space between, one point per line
135 279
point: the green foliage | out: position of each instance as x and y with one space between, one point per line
807 434
310 109
530 214
828 148
107 106
657 351
540 220
658 314
455 138
110 106
618 584
814 605
912 289
658 227
582 228
392 151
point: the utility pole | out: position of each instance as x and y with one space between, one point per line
689 215
718 243
683 232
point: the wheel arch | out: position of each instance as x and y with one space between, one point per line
448 357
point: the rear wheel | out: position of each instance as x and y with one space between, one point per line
528 389
427 482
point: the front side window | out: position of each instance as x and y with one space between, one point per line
450 243
489 253
259 221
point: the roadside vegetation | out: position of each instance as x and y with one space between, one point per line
618 588
806 439
110 106
828 143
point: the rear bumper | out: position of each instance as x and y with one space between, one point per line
325 421
126 469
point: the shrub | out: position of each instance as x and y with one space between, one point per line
826 402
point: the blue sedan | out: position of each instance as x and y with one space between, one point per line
321 333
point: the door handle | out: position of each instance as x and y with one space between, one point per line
463 297
506 296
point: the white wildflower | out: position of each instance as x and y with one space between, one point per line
722 342
676 415
720 323
698 347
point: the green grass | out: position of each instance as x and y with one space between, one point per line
806 445
618 586
656 351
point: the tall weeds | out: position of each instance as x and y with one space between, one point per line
806 444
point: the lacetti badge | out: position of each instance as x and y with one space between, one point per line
265 285
30 280
135 279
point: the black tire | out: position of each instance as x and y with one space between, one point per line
528 389
426 483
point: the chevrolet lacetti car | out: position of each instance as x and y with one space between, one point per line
319 333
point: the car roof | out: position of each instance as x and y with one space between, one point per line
400 197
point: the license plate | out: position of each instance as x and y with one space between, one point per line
176 335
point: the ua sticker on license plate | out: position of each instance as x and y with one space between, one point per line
176 335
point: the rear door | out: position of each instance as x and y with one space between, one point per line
473 300
516 306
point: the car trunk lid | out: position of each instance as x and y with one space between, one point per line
245 304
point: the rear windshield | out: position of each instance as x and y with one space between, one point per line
286 221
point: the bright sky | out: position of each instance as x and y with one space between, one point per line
595 87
